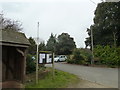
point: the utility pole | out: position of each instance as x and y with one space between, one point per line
92 61
37 54
1 20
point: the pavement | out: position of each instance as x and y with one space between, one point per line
107 77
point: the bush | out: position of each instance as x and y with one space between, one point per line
30 64
107 55
118 53
70 59
86 54
79 56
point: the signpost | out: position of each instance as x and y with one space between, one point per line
43 57
46 57
37 55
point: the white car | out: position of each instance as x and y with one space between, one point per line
60 58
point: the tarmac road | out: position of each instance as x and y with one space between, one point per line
104 76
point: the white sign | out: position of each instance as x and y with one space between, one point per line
49 58
45 58
41 58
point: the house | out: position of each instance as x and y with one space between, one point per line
13 45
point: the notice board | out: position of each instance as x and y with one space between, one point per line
45 58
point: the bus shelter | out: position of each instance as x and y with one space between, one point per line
14 45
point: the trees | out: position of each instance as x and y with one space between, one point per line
65 44
8 24
42 46
106 33
62 45
88 39
32 48
106 25
50 46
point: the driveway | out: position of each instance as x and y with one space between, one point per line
104 76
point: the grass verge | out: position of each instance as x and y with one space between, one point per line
61 80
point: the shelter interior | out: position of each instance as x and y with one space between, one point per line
12 63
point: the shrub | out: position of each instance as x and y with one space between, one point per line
30 64
86 54
78 57
107 55
70 59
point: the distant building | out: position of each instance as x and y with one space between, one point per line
14 45
112 0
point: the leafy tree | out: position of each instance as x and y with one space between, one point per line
50 46
65 44
32 47
42 47
88 39
8 24
106 25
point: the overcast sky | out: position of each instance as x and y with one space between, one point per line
55 16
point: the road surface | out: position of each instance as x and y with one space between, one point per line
104 76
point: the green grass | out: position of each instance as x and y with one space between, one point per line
61 80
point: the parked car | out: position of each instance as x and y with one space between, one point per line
60 58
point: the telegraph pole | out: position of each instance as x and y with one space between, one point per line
92 47
1 21
37 54
92 61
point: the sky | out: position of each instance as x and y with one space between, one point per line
55 16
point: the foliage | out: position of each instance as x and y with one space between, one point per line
86 54
77 56
65 44
118 54
30 64
42 46
106 25
8 24
107 55
88 39
32 47
61 80
51 43
80 56
62 45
